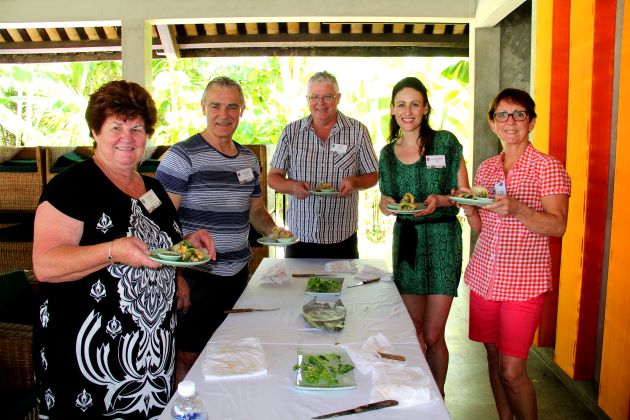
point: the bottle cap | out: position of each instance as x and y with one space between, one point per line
186 389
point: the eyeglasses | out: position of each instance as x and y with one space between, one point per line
316 98
516 115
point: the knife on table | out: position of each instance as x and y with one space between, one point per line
243 310
308 274
361 283
360 409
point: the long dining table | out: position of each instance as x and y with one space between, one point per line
371 309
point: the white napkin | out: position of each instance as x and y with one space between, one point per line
367 272
341 267
234 359
407 385
365 355
276 274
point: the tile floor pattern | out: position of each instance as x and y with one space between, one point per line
468 393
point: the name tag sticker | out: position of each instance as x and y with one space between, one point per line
499 188
245 175
339 148
150 201
436 161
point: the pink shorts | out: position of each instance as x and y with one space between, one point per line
508 324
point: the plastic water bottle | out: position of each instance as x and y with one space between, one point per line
187 404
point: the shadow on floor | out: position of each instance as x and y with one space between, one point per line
468 393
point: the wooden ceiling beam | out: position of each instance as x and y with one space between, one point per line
326 40
57 47
354 51
168 38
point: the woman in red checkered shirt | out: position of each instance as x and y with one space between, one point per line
510 269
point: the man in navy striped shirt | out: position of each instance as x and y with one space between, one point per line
214 182
326 147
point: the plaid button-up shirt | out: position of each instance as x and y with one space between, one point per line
509 261
348 151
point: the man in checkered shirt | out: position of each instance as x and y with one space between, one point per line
326 147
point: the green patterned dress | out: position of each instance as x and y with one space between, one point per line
435 266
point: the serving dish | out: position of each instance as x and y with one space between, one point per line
324 370
324 286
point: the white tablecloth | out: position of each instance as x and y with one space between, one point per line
372 308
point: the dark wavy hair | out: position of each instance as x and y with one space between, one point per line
516 96
123 98
425 140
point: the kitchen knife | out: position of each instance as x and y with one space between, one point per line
308 274
361 409
361 283
243 310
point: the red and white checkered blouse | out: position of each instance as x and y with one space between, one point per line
509 261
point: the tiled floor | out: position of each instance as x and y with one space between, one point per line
468 393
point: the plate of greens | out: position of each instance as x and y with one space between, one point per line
324 286
189 256
324 370
397 208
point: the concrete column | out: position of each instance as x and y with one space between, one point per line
137 51
487 62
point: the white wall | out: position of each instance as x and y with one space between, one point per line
18 12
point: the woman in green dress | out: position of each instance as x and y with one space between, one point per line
427 246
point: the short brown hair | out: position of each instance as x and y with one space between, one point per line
516 96
120 97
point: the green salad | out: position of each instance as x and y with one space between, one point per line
322 368
323 285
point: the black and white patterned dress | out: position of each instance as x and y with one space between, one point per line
104 345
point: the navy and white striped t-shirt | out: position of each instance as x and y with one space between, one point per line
348 151
213 198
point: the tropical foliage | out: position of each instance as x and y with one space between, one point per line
44 104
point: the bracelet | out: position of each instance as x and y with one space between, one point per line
109 253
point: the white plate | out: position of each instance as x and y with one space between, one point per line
473 201
324 193
346 380
155 257
267 241
395 208
338 280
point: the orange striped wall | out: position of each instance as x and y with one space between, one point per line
614 390
550 92
591 63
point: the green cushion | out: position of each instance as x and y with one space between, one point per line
17 299
149 165
20 232
67 160
19 165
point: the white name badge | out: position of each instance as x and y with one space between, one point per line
150 201
245 175
499 188
436 161
339 148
